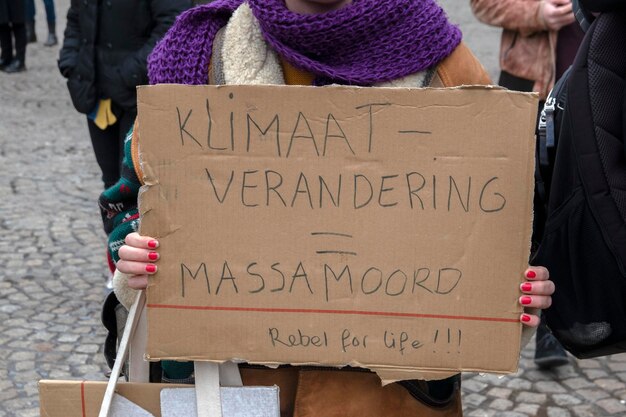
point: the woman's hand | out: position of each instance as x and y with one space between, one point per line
137 259
557 13
537 290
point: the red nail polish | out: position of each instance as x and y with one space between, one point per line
150 268
527 286
153 244
526 300
153 256
525 318
531 274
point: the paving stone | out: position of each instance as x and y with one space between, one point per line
550 387
537 375
473 399
531 397
501 404
585 410
22 356
612 405
518 384
590 364
577 383
481 413
558 412
85 348
621 395
527 409
565 400
595 373
610 384
592 395
499 393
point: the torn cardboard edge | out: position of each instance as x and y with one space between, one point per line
387 375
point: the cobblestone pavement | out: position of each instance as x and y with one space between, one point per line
52 268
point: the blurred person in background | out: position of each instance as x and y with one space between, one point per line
105 48
12 28
540 39
104 58
31 35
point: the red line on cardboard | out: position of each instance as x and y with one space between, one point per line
82 397
345 312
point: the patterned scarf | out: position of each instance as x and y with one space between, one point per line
363 43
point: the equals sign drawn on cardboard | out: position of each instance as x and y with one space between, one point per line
415 132
334 252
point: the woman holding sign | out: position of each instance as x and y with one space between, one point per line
393 43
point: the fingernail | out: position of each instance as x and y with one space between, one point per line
526 300
151 268
531 274
525 318
527 286
153 244
153 256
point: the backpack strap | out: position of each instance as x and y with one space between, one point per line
546 129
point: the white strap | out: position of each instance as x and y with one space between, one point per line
208 398
230 375
138 367
122 352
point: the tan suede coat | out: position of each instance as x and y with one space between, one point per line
527 48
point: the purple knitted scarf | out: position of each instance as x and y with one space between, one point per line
365 42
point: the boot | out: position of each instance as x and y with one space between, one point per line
15 66
4 63
52 36
548 353
31 36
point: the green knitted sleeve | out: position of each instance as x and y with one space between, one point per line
118 204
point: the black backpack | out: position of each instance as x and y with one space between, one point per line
581 191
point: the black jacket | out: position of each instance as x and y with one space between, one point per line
12 11
603 5
106 46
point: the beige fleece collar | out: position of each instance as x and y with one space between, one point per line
247 58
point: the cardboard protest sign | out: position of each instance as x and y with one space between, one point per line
384 228
84 398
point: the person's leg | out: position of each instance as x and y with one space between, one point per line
125 122
106 146
51 18
19 32
18 63
50 13
548 351
6 46
31 36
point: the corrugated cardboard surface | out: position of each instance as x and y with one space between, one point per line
385 228
84 398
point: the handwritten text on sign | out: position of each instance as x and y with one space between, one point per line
337 225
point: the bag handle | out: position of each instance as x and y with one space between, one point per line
208 375
131 324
